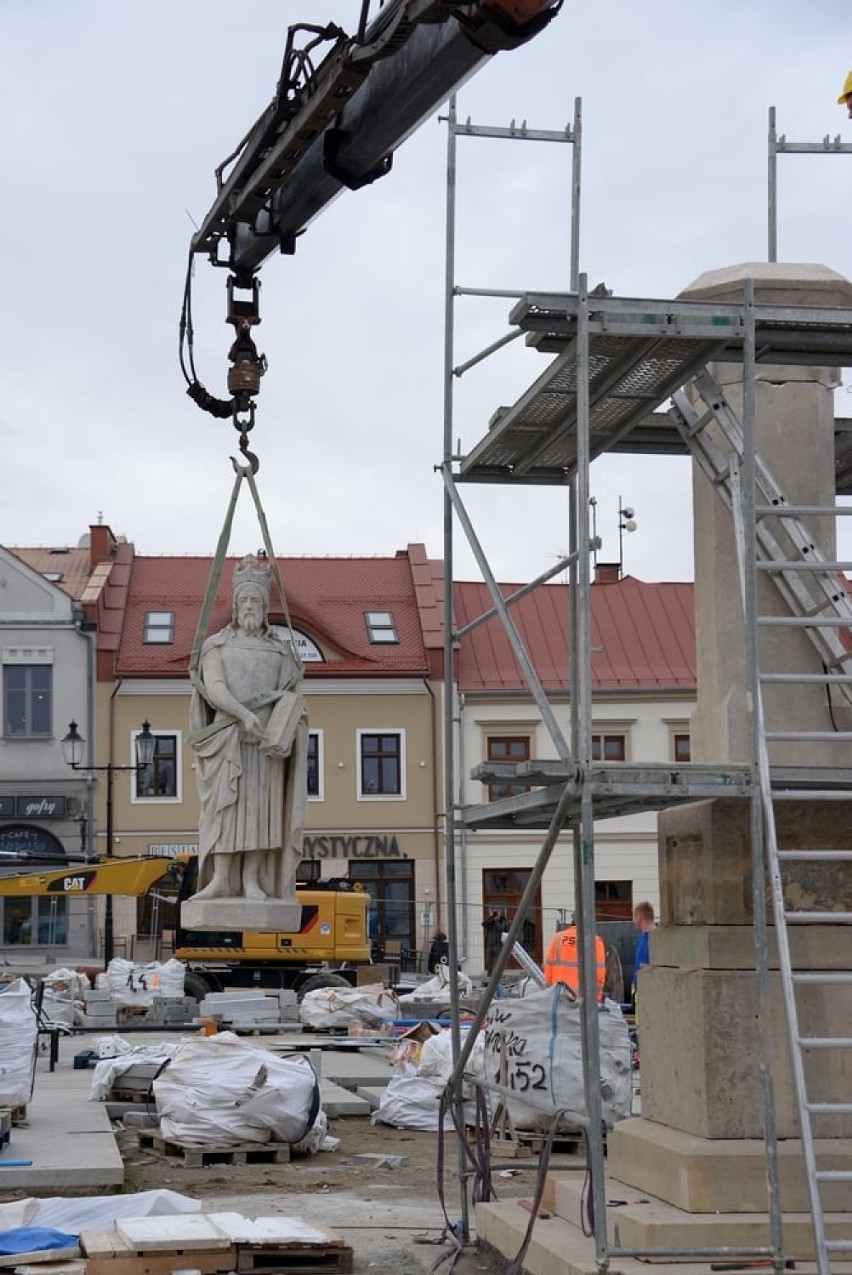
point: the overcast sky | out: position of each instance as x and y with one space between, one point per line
114 115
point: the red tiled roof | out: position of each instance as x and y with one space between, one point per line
326 597
642 637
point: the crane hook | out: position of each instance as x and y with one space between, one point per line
253 462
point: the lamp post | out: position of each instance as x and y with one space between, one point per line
72 749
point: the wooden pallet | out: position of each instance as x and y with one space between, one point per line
140 1096
209 1244
200 1157
507 1144
295 1259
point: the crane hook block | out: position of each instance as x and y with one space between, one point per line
247 365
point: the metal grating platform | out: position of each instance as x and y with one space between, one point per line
639 353
617 789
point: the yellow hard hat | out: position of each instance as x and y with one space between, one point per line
847 89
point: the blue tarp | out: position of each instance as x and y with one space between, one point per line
32 1239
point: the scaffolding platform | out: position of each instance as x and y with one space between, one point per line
617 789
640 352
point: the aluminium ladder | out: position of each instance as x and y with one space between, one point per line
815 594
811 586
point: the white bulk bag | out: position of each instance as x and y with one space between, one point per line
131 984
412 1102
18 1035
220 1091
538 1039
337 1006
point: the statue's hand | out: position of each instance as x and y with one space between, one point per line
252 728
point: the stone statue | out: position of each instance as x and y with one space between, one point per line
249 731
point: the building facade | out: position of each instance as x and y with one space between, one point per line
644 682
109 643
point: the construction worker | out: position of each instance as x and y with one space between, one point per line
563 962
643 919
845 98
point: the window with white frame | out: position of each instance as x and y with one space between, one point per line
28 692
316 784
381 764
159 780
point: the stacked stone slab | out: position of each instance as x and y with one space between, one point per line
171 1011
241 1010
99 1010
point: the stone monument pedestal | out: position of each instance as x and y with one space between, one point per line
698 1147
266 915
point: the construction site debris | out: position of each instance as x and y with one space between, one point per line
225 1092
213 1244
246 1010
132 984
200 1157
73 1214
533 1049
18 1039
327 1008
127 1070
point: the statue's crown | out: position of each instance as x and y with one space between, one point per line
252 573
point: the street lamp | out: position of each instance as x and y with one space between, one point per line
72 750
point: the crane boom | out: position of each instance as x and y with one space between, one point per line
338 127
108 876
329 128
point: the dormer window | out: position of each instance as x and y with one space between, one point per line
381 626
159 627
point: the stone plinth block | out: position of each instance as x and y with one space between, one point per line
644 1222
266 915
731 947
720 1175
705 860
700 1052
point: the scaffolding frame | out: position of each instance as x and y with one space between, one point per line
617 360
780 146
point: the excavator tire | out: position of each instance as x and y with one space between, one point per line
317 981
196 985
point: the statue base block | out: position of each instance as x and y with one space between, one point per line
268 915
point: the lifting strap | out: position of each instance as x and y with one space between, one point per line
243 473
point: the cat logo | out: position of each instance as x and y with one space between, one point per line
77 884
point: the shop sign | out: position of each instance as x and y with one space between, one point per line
40 807
17 841
33 807
361 846
171 849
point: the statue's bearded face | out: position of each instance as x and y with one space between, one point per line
250 613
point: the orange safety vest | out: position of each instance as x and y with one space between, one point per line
563 962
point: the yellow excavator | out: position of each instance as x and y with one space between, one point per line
329 945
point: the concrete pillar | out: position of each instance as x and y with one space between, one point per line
795 435
697 999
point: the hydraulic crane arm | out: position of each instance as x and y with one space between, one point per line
337 127
328 128
132 877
